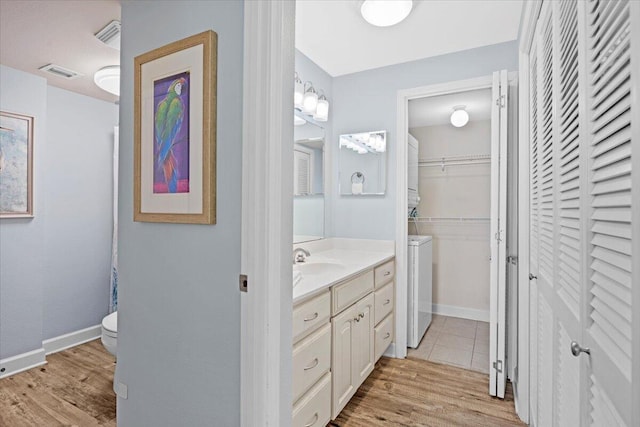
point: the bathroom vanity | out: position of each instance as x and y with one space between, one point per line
343 321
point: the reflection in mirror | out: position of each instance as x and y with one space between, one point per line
308 180
363 160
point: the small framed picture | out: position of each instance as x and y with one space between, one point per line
16 165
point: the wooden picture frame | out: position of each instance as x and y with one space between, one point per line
175 132
16 165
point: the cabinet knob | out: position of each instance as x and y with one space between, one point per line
361 315
387 273
386 302
387 335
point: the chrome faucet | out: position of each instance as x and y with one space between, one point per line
300 255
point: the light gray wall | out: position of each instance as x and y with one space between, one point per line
54 268
79 219
366 101
22 240
179 304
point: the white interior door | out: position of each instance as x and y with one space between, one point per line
582 287
498 270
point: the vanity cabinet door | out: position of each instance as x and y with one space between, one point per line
343 331
363 352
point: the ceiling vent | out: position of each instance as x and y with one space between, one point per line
110 35
59 71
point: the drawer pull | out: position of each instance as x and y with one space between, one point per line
313 365
387 273
386 302
387 335
314 317
315 418
361 315
356 319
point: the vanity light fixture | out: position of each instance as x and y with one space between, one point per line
322 109
108 79
459 117
385 13
298 91
310 99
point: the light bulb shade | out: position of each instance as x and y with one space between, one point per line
384 13
310 101
459 118
322 110
108 79
298 92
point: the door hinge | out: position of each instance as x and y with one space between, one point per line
244 283
500 102
512 259
497 365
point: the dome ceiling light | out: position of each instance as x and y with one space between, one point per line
108 79
459 117
385 13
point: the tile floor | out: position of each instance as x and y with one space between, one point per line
457 342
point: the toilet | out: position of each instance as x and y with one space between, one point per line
110 332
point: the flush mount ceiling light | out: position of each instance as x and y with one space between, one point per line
459 117
108 79
385 13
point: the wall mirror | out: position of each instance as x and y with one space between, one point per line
308 180
362 163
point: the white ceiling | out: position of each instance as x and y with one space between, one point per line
334 35
36 33
436 110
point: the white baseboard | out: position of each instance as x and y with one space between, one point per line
72 339
462 312
21 362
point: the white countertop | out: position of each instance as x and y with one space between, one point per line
353 256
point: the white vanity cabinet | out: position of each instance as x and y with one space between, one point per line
312 362
338 335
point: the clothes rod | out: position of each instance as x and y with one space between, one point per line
449 219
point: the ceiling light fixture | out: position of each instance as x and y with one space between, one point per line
459 117
108 79
385 13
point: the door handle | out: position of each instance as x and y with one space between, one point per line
531 277
576 349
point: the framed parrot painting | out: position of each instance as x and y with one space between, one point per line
175 132
16 165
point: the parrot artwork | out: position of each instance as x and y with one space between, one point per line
169 116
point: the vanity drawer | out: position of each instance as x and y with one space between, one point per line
311 360
383 302
314 409
383 336
349 292
311 314
385 273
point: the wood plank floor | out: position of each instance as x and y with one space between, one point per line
414 392
73 389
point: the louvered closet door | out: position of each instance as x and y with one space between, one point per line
584 198
611 288
556 241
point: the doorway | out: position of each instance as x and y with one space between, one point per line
488 158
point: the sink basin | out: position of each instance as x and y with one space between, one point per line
317 268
